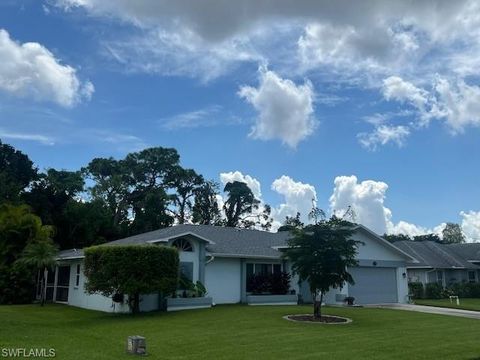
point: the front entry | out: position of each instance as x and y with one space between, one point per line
63 283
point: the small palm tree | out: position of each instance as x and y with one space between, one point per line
41 256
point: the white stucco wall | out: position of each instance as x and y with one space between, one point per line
223 280
374 250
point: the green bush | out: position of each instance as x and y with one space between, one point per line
464 290
433 291
276 284
416 290
132 270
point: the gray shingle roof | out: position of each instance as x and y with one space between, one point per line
470 251
226 241
433 255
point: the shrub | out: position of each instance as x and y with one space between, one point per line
433 291
277 284
465 290
131 270
416 290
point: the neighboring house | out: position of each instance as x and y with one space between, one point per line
223 258
441 263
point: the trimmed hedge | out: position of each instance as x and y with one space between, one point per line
416 290
433 291
132 270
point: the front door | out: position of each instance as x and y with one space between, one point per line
63 283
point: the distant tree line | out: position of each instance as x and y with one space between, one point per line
106 200
451 234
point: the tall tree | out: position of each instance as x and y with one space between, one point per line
186 182
321 255
240 203
453 234
16 173
205 209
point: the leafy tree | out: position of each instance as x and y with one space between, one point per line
18 228
205 209
132 270
240 204
396 237
427 237
292 223
40 255
321 255
16 173
185 182
151 212
453 234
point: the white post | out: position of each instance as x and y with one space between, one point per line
458 301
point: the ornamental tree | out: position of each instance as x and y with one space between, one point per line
131 270
321 254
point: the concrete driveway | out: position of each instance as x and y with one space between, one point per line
430 310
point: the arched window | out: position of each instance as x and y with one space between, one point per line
183 245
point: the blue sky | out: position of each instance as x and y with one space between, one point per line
305 100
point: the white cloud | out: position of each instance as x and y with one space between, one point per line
31 70
285 109
455 103
384 134
366 199
298 197
471 225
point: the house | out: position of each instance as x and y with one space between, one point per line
223 258
441 263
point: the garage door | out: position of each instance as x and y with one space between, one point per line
373 285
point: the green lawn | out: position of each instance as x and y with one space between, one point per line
467 304
241 332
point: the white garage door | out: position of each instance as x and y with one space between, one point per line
373 285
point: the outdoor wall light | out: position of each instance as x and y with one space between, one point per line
404 275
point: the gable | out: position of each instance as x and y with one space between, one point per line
375 248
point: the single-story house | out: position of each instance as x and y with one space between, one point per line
223 258
441 263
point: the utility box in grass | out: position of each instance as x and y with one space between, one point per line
136 345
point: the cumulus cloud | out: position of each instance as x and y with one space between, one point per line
285 109
471 225
31 70
298 197
455 103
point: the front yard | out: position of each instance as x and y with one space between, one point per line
466 304
240 332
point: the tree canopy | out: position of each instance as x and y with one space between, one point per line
321 255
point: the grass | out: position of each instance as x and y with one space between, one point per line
466 304
240 332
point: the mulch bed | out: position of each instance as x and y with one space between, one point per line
325 319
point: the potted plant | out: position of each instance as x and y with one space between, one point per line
349 300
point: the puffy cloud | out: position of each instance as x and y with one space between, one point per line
471 225
366 199
285 109
31 70
454 102
298 197
382 135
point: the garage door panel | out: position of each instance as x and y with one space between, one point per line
373 285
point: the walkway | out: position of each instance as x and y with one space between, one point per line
431 310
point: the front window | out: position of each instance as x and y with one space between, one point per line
183 245
258 272
440 277
471 276
77 276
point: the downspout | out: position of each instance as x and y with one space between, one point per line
210 260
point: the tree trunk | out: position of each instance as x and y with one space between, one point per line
136 303
44 285
317 306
